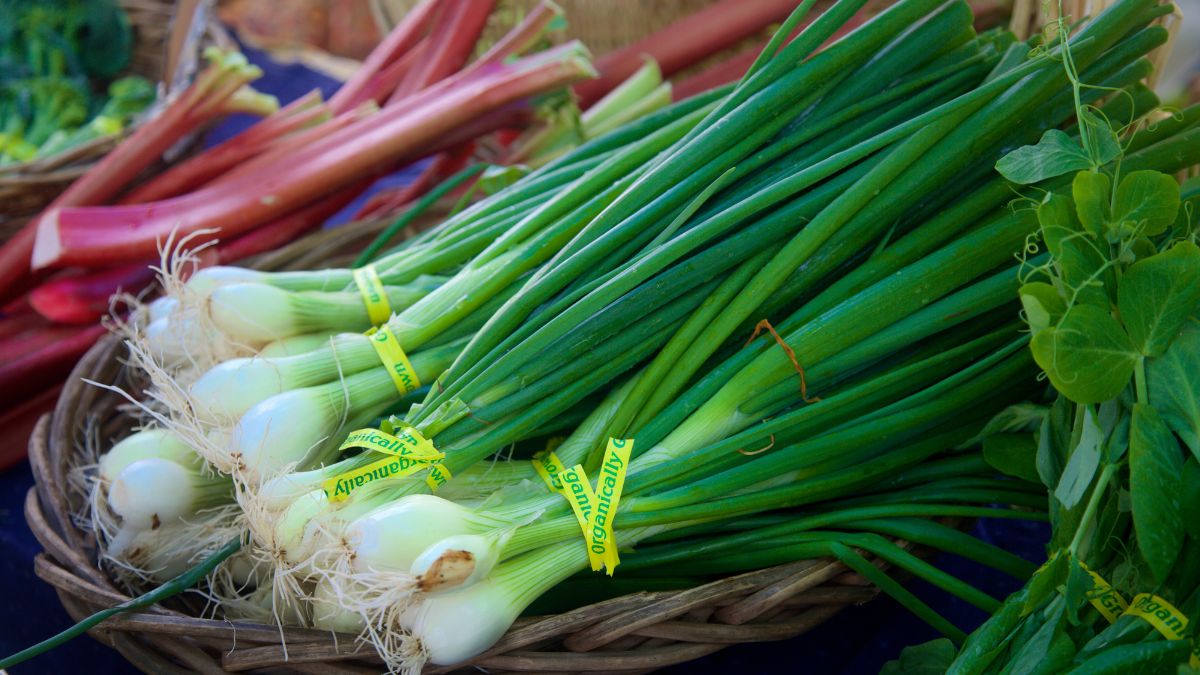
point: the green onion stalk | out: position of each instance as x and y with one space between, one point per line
563 376
985 294
228 392
514 563
179 323
501 414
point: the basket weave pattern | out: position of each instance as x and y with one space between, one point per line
632 633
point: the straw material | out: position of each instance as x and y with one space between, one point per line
1032 16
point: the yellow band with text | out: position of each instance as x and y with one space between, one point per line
1165 618
609 485
394 359
438 476
578 490
339 487
403 444
1106 599
549 467
373 294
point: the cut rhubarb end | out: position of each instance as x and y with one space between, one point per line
47 246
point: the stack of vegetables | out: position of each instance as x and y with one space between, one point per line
57 60
770 323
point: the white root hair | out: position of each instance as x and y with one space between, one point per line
383 598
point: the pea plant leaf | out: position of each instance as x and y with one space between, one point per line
1157 294
1146 202
1045 583
1053 436
1015 418
1101 138
1191 497
1173 387
930 658
1082 464
1079 585
1056 154
1076 253
1014 454
1155 483
1088 355
1043 304
1091 191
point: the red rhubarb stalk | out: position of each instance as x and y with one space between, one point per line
17 423
380 87
684 42
195 107
198 170
85 297
290 227
403 37
91 236
454 35
41 356
294 145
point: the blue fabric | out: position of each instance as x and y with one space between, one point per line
857 641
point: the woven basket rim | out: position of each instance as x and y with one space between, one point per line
632 633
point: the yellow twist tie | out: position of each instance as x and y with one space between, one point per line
373 294
394 359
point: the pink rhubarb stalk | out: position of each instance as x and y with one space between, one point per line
83 298
455 32
684 42
92 236
40 356
198 170
380 87
403 37
195 107
292 146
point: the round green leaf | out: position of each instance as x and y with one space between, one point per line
1158 294
1088 356
1148 200
1091 191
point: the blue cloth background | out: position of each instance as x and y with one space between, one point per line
855 642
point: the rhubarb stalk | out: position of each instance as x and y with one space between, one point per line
455 33
403 37
198 170
196 106
92 236
685 42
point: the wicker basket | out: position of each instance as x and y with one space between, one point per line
165 50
